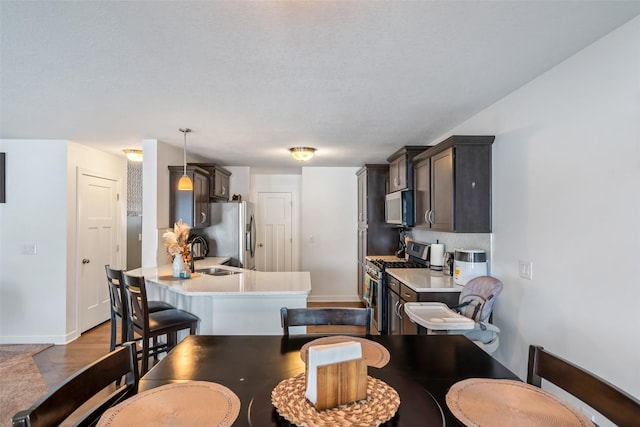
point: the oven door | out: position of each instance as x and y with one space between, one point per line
373 298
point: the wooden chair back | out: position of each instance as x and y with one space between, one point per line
616 405
109 371
326 316
119 306
135 293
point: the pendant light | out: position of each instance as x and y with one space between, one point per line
302 153
185 183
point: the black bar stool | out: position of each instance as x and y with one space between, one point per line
119 307
152 325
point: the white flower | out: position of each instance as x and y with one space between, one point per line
176 240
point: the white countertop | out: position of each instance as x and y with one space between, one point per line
247 282
424 279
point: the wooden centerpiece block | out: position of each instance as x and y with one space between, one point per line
336 374
341 383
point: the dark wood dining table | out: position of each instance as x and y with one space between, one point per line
421 368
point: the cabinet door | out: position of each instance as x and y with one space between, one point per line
362 200
201 196
393 303
407 295
441 216
398 174
422 189
221 185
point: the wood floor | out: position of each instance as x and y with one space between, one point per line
61 361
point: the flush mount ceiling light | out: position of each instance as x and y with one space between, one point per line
185 183
133 155
302 153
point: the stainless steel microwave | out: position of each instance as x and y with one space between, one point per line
399 209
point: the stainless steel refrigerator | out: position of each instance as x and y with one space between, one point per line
232 233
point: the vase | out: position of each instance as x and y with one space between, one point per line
177 265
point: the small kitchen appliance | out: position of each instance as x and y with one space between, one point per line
468 264
199 247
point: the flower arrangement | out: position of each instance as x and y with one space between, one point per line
176 240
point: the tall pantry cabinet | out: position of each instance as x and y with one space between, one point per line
375 237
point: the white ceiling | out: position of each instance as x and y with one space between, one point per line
355 79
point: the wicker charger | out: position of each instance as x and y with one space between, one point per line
374 353
192 403
490 402
380 406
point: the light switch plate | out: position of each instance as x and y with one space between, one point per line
525 269
28 249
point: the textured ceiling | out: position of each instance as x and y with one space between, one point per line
355 79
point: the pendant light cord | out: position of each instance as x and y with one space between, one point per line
185 131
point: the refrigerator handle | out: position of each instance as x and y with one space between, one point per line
251 236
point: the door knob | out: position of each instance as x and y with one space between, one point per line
85 261
259 245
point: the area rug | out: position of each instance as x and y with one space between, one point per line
20 381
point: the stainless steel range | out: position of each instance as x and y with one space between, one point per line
375 279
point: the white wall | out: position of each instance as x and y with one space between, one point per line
155 198
38 292
329 232
240 181
565 196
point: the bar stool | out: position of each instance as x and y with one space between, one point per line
119 307
152 325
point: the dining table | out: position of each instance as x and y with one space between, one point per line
421 368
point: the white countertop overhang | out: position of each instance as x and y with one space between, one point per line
246 282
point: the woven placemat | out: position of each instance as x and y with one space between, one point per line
380 406
194 403
374 353
490 402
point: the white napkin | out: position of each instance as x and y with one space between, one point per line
320 355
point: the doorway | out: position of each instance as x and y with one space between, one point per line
275 239
97 245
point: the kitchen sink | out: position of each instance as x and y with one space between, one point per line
214 271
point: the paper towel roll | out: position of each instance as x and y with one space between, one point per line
437 256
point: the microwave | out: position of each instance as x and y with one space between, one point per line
398 208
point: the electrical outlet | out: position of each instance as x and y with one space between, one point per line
525 269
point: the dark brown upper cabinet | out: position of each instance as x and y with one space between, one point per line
190 206
218 181
452 184
401 167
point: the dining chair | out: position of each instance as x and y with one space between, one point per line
119 307
150 326
613 403
106 382
326 316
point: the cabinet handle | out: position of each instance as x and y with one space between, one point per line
426 217
85 261
396 181
224 190
431 216
400 310
407 295
203 217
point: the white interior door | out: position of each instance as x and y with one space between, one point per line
274 232
97 246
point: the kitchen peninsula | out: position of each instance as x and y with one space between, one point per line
230 301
